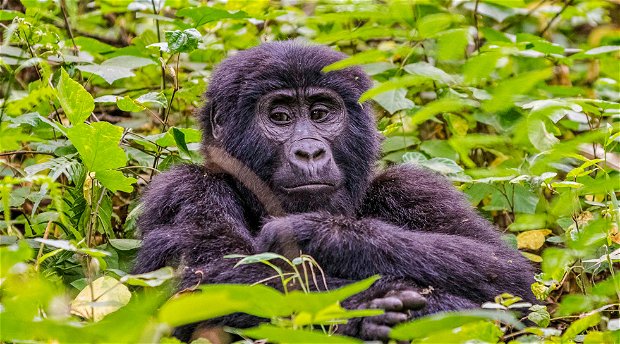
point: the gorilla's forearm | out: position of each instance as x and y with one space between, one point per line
355 249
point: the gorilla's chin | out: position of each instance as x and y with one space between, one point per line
313 197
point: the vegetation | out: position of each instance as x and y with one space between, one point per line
515 100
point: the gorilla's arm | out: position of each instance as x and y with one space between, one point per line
194 218
414 225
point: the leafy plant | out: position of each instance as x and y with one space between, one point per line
515 101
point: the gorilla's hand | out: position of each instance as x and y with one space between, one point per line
288 234
397 306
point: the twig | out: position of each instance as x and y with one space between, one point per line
24 152
568 3
477 38
63 9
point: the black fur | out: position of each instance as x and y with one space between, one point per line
405 223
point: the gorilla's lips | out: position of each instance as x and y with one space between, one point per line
311 187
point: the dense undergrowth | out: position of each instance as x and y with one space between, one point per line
516 101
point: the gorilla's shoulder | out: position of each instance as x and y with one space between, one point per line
409 177
187 179
185 185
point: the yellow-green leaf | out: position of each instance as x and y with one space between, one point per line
77 103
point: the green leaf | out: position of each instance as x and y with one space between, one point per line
357 59
115 180
150 279
116 68
430 25
129 105
555 262
394 100
430 71
395 143
581 325
218 300
97 144
603 50
503 95
275 334
480 67
396 84
182 41
77 103
451 44
125 244
206 14
539 315
426 326
439 106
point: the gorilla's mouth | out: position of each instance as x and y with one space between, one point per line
310 187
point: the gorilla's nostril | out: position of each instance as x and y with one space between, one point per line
302 155
319 153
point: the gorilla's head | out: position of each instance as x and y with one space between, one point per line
301 130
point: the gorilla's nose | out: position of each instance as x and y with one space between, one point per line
310 153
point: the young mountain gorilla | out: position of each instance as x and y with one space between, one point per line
301 147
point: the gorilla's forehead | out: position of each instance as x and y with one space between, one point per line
284 65
301 95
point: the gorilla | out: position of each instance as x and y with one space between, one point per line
291 166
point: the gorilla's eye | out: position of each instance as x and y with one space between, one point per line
279 117
318 115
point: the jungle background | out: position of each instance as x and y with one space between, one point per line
516 101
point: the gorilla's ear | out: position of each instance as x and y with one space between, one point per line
216 125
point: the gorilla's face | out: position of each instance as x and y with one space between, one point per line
302 124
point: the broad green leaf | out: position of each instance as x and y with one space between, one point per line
394 100
603 50
451 44
394 143
150 279
439 106
182 41
218 300
357 59
109 295
115 180
430 25
430 71
275 334
555 262
503 95
77 103
539 136
206 14
314 303
125 244
480 67
97 144
539 315
397 84
581 325
116 68
129 105
439 149
426 326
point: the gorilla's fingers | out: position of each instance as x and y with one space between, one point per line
372 331
389 318
411 300
389 303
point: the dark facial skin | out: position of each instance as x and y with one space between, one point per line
302 124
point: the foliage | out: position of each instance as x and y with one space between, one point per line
516 101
